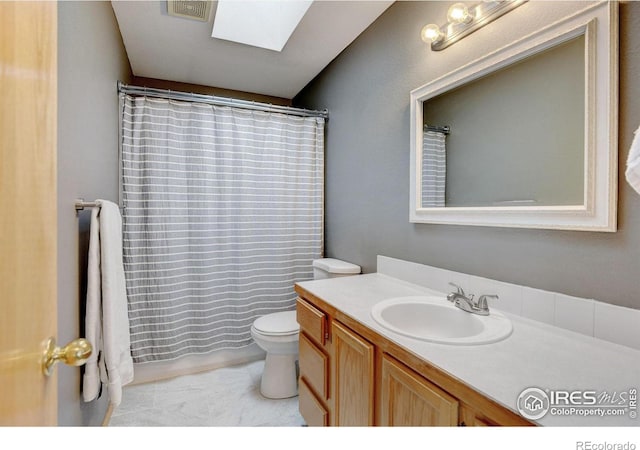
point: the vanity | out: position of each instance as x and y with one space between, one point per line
351 375
356 372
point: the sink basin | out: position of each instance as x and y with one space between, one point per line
434 319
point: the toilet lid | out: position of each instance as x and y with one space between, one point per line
278 323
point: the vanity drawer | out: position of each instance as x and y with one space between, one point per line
312 321
314 366
313 412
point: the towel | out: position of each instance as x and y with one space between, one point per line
633 163
93 314
107 319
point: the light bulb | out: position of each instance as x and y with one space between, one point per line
431 33
459 13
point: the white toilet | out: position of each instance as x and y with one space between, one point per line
277 334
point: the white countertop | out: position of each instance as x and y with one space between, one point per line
534 355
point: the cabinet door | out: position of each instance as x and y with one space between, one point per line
471 418
489 416
352 377
407 399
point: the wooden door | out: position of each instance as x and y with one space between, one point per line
28 231
407 399
352 378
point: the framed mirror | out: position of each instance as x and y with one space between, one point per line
525 136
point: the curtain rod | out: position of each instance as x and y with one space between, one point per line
219 101
446 129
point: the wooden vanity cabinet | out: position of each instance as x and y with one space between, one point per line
315 413
336 385
470 417
407 399
352 376
313 360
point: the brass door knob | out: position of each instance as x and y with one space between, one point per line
75 353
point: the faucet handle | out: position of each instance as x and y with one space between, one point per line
460 290
453 295
482 301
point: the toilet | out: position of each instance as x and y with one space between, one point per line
277 335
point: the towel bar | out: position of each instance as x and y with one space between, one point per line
81 205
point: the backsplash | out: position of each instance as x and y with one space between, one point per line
586 316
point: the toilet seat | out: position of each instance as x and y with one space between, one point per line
277 324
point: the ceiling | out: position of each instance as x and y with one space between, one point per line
178 49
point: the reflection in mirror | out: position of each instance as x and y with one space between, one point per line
532 137
516 135
434 166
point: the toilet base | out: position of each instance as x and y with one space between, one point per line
279 378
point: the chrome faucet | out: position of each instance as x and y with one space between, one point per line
466 303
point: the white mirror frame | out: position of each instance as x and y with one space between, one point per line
599 25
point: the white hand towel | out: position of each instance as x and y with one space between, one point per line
115 364
633 163
93 314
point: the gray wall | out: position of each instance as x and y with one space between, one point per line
91 58
496 155
367 162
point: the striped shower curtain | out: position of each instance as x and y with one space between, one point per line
222 215
434 169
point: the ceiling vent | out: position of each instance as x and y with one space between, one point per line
190 9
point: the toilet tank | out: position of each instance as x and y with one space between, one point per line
333 268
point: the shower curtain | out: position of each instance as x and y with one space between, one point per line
222 214
434 169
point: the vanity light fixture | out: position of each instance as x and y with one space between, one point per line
459 13
432 33
464 20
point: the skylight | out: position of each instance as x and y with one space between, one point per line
266 24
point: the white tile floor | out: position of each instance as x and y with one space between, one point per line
223 397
